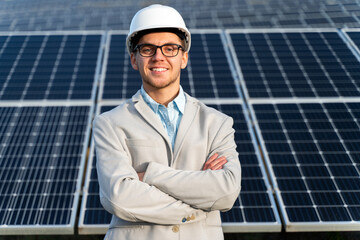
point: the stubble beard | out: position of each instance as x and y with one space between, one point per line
159 86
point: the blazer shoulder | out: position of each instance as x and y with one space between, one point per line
209 113
205 109
117 111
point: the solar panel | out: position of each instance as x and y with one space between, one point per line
296 64
254 210
42 157
49 67
312 151
208 74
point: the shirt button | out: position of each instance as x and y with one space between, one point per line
175 229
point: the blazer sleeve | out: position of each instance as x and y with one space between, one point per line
208 190
121 192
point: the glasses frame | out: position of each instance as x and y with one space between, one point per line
137 47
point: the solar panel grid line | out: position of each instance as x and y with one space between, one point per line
228 52
249 210
191 87
279 63
324 223
83 227
36 63
315 55
298 61
210 46
106 43
336 66
15 62
316 143
236 66
208 61
68 60
116 61
343 68
36 124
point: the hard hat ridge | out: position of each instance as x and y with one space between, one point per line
156 18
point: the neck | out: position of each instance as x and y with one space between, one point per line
163 96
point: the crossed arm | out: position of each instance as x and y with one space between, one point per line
215 162
169 193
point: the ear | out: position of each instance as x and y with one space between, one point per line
184 60
133 61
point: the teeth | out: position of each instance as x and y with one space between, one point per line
159 69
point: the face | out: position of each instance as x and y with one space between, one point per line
159 72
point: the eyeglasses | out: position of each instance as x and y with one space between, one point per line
168 50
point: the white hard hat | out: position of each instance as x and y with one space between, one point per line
158 17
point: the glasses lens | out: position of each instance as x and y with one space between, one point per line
170 50
147 50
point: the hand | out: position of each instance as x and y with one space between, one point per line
141 175
215 162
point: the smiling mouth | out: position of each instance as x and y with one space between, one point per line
158 69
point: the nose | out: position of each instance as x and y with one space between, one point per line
158 54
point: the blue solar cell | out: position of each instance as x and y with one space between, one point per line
296 199
302 214
234 215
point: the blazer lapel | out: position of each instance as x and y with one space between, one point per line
145 111
191 110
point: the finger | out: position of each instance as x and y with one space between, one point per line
219 165
216 162
211 159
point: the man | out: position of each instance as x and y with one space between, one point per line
166 163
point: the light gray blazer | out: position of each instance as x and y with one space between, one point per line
176 200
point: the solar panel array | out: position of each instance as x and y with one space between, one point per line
302 91
296 65
20 15
293 95
47 91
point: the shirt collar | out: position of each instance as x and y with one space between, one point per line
179 102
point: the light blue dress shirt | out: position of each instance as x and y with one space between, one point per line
171 115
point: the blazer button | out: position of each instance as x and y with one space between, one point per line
175 229
192 217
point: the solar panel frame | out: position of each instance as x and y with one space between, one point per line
63 229
293 226
354 47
